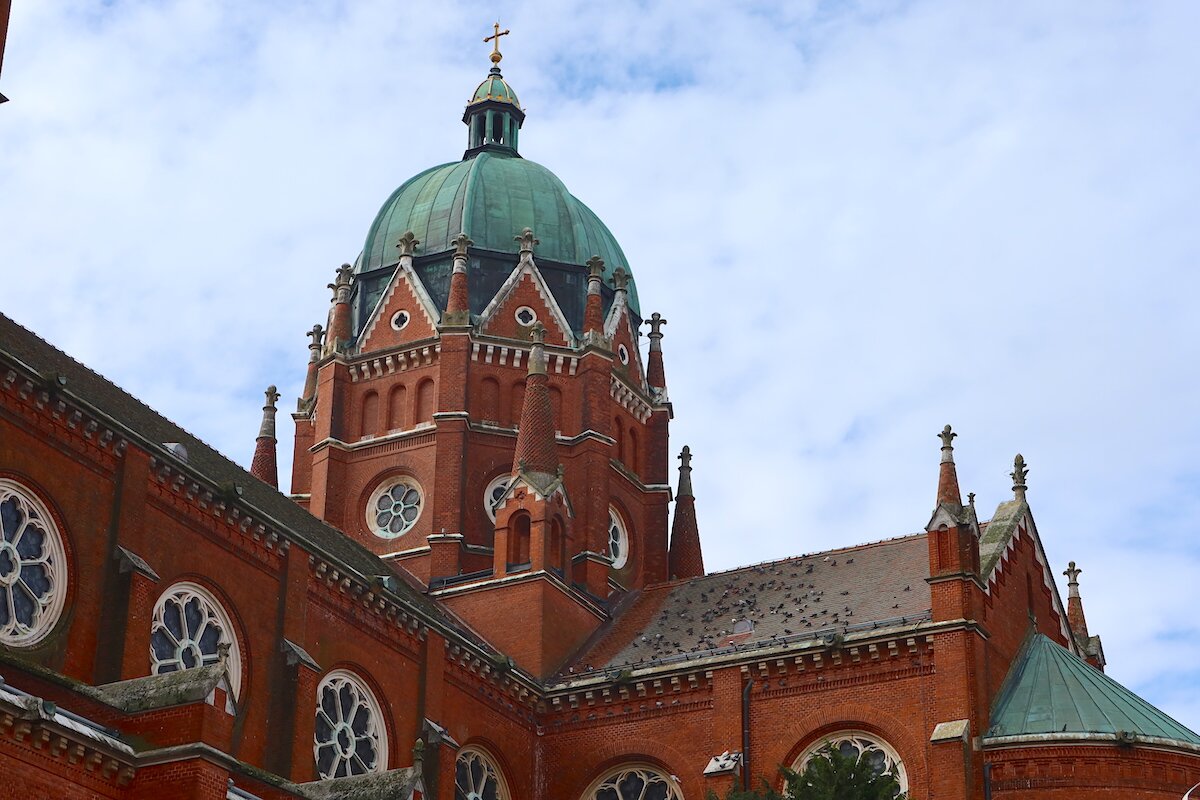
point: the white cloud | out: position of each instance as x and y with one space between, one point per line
862 221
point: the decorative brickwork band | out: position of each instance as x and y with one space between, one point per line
263 465
535 451
685 559
655 374
948 493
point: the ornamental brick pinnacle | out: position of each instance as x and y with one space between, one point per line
686 559
316 335
339 319
948 493
535 450
656 375
459 304
263 466
593 315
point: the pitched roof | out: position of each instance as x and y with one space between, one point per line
295 523
866 586
1049 690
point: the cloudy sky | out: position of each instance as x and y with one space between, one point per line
863 221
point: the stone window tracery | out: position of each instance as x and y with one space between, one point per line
350 737
476 777
394 508
859 746
525 316
618 539
188 630
635 783
494 493
33 568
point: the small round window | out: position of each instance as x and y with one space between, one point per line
33 568
188 630
623 354
618 539
400 320
494 493
394 508
526 315
350 737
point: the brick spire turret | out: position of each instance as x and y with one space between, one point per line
263 465
593 314
685 559
339 316
1075 617
536 455
656 376
458 306
948 493
310 377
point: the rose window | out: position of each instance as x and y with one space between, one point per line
477 778
189 630
494 493
858 747
394 508
350 735
636 783
618 540
32 568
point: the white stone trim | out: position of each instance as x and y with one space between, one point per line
182 593
376 731
53 560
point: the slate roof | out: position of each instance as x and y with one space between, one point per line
1049 690
872 585
295 523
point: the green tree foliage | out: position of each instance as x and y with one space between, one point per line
830 776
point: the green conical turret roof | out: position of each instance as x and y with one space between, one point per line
1050 690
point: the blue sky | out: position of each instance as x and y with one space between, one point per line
862 220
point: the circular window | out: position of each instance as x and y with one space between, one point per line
526 315
350 737
494 493
623 354
476 777
394 508
33 568
635 783
188 629
618 539
847 749
399 320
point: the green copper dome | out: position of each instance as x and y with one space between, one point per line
492 195
494 87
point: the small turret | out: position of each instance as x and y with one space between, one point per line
316 335
593 314
1077 622
458 306
685 558
948 493
339 316
263 465
536 456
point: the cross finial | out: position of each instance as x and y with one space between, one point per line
527 240
538 333
1018 475
461 243
595 267
656 322
407 244
495 40
685 457
272 396
315 334
1072 573
620 279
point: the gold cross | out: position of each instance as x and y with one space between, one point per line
495 39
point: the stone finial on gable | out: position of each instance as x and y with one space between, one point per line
595 266
620 279
656 322
272 395
407 244
315 336
1018 475
947 436
527 242
1072 573
461 243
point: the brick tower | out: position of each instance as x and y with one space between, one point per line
490 324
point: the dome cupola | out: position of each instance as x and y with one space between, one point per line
493 115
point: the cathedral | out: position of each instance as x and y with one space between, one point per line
487 582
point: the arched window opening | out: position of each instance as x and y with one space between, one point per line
394 507
518 541
189 629
635 782
33 567
494 493
397 405
854 747
425 405
477 777
369 419
618 539
619 435
350 736
557 557
633 463
489 401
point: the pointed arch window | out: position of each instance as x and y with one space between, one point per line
33 567
477 777
635 782
350 737
189 629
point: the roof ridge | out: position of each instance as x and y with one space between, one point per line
771 562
